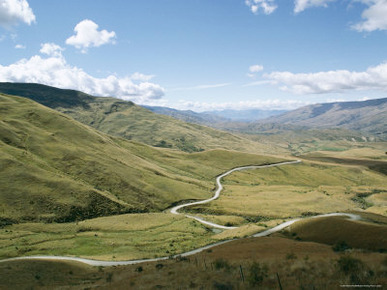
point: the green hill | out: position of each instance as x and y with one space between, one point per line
53 168
125 119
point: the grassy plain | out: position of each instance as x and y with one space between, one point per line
122 237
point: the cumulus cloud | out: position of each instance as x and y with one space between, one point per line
301 5
374 78
375 16
265 6
53 70
254 69
14 11
51 49
87 35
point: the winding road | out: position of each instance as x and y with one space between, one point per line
219 188
174 210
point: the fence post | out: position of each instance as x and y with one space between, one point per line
279 281
241 272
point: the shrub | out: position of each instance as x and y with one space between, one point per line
355 270
222 286
341 246
221 264
159 266
291 256
257 274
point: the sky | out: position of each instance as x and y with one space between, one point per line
200 55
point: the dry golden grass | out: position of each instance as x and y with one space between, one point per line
297 190
333 230
299 265
374 151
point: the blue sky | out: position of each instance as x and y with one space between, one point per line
200 54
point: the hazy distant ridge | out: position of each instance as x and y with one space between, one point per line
368 116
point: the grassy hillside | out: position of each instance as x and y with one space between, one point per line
342 234
368 116
56 169
127 120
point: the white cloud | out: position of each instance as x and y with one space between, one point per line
268 104
141 77
301 5
374 78
255 68
14 11
20 46
265 6
55 71
87 35
375 16
51 49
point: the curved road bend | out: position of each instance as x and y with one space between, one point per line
219 188
174 211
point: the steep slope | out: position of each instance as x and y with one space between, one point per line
369 116
132 122
53 168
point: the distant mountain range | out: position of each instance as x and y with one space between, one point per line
368 116
216 117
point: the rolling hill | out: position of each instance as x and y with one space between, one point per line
125 119
368 116
53 168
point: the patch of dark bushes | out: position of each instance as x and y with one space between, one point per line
257 273
6 222
356 271
341 246
221 264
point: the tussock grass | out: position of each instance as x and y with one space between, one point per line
125 119
336 230
55 169
301 190
312 265
122 237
